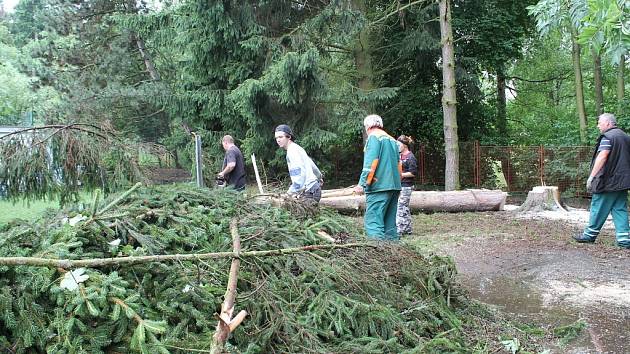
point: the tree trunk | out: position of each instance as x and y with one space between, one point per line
579 87
501 104
132 7
363 57
148 63
599 91
620 84
449 100
425 201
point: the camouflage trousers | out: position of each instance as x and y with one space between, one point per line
403 214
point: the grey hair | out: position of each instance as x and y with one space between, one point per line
373 120
228 139
609 117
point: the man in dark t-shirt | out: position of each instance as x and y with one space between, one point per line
233 164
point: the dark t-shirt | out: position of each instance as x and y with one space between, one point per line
236 178
409 164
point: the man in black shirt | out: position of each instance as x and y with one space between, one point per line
233 164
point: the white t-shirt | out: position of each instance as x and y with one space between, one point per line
304 174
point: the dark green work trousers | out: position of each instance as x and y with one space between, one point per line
380 215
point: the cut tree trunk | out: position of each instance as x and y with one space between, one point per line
449 99
543 198
451 201
327 193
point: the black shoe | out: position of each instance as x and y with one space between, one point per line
583 239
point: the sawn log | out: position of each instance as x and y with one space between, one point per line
426 201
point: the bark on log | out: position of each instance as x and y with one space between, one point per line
543 198
425 201
328 193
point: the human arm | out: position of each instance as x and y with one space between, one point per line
370 161
412 167
599 163
318 174
230 157
316 170
228 168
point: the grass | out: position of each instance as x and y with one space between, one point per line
22 210
31 210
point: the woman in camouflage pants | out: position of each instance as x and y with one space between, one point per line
409 168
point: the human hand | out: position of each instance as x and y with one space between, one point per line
358 189
589 184
220 175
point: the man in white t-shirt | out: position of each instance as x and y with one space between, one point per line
306 178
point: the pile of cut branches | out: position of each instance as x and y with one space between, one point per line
372 299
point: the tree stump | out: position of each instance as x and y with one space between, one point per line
542 198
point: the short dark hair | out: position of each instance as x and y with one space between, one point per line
405 139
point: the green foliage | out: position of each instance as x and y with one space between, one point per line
498 37
408 48
569 332
543 110
387 298
605 27
19 92
56 162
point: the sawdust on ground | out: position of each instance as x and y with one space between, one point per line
528 263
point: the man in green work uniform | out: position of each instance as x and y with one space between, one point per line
380 180
609 182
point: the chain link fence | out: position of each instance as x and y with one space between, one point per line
511 168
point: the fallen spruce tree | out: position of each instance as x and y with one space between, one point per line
371 298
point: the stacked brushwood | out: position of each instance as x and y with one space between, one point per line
373 299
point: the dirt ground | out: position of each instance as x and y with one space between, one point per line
526 266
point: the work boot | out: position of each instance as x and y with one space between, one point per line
581 238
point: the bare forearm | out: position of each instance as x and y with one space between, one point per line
600 161
228 168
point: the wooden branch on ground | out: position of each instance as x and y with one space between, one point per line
226 323
107 262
